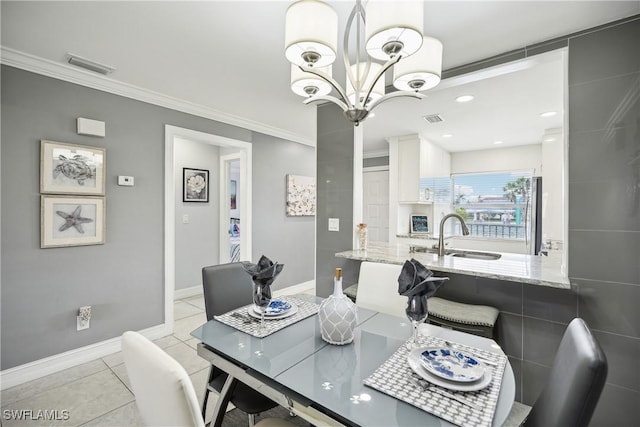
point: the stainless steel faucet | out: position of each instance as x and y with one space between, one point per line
465 231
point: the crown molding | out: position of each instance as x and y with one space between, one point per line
61 71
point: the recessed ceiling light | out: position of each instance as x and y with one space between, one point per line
498 142
548 114
464 98
447 135
549 139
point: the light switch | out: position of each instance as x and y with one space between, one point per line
185 219
334 224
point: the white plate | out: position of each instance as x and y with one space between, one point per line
276 307
293 310
452 365
414 358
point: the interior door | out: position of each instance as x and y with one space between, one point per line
376 204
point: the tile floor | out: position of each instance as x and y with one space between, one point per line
98 393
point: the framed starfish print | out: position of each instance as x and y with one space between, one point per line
71 221
71 169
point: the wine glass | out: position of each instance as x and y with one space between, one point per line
261 298
416 312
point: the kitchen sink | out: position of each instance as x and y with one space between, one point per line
460 253
486 256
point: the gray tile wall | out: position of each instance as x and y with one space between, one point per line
335 197
604 206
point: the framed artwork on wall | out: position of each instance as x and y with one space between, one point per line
71 221
195 185
71 169
233 190
301 195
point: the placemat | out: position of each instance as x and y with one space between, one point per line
240 319
395 378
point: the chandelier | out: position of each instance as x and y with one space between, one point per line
393 33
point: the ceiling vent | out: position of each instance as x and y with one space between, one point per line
88 64
433 118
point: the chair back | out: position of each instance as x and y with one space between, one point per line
163 389
226 287
378 288
575 382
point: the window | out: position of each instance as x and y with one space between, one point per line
494 205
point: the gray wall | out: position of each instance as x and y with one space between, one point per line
123 279
604 227
335 197
288 240
197 242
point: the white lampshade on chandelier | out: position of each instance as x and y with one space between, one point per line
393 32
422 70
311 33
307 84
393 28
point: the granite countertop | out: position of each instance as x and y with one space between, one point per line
534 270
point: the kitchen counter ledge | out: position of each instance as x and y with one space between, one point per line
534 270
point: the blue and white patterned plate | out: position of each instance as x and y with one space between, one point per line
276 308
452 365
415 362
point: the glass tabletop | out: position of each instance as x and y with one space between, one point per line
274 353
333 376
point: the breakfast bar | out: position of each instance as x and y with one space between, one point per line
534 270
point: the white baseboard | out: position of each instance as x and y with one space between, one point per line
301 288
49 365
39 368
187 292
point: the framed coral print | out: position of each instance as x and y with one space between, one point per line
301 195
195 185
71 169
71 221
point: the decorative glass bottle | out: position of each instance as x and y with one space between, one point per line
362 236
338 315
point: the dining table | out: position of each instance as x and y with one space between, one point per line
367 382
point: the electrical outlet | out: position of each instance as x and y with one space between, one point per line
334 224
84 318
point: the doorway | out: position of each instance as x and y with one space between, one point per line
242 150
231 210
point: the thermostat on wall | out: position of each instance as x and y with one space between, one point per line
125 180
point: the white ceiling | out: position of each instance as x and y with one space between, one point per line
228 56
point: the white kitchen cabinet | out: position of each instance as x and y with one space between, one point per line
410 159
409 170
419 158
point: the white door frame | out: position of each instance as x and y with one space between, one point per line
171 134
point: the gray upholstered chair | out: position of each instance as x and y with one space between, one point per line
226 287
575 382
163 390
